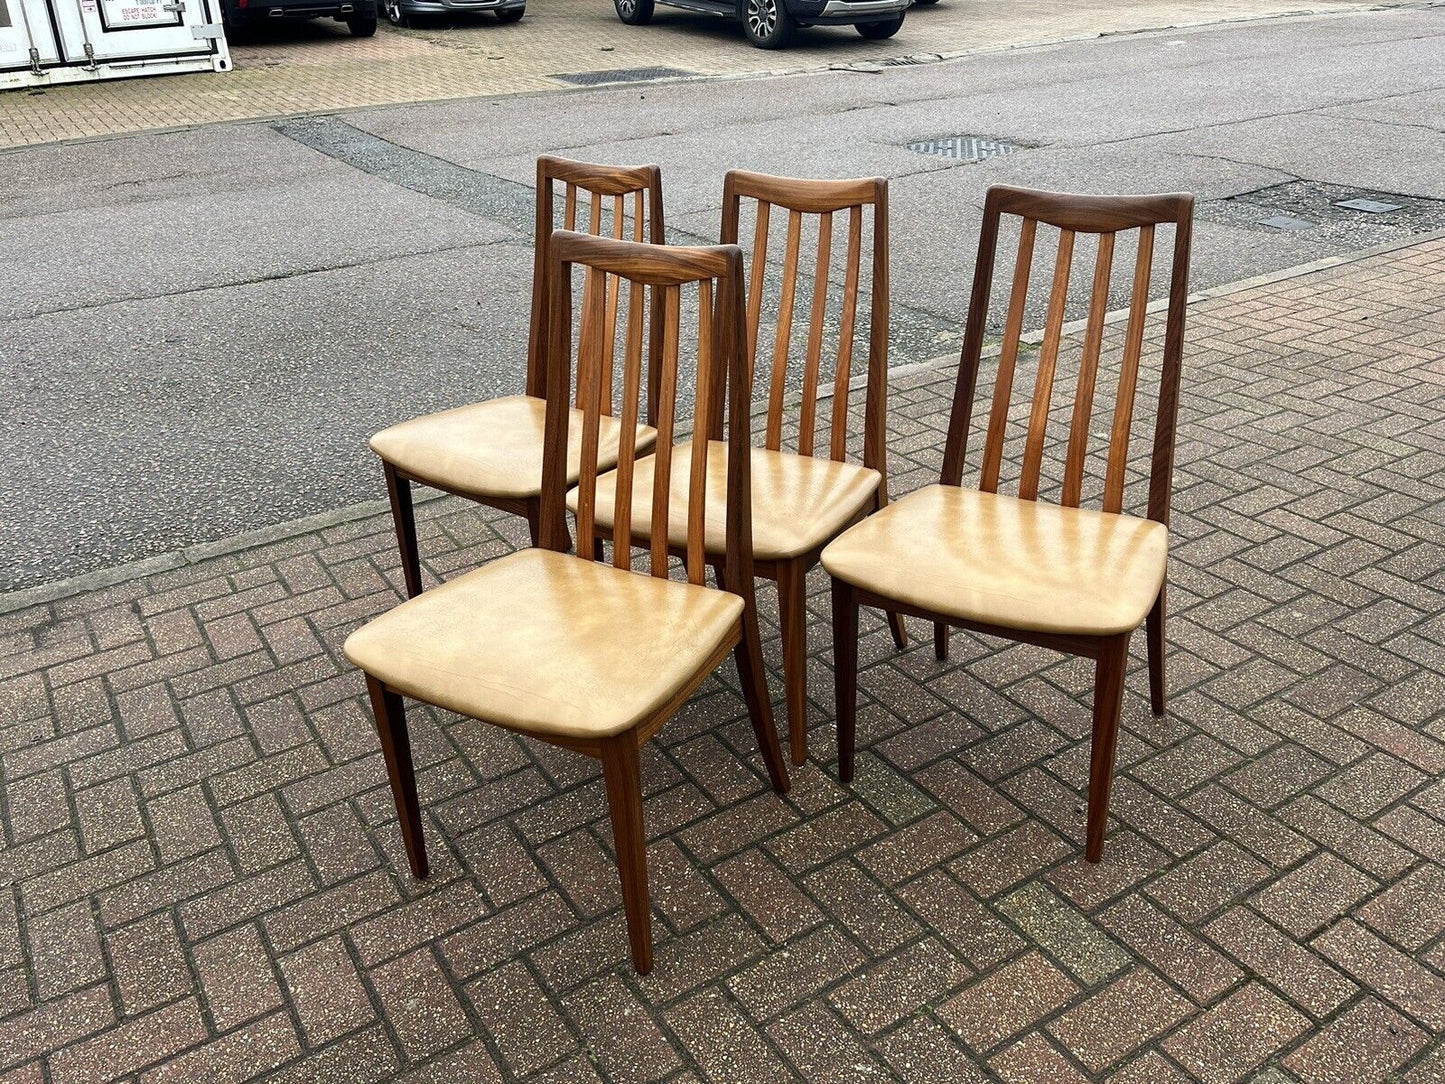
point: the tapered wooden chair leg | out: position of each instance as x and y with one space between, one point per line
623 776
1155 629
940 640
845 673
398 490
1108 701
534 522
896 626
390 715
749 657
793 616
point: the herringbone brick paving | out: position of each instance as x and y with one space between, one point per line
203 879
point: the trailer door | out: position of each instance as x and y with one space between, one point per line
26 38
118 30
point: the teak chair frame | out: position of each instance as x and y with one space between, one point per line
663 270
1104 216
599 182
824 199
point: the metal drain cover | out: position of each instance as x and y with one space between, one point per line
1286 222
1369 206
621 75
966 148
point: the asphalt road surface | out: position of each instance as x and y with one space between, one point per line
199 329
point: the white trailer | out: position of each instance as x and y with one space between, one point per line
44 42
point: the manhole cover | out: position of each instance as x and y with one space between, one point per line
622 75
966 148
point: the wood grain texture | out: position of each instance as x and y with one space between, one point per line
1044 377
1088 374
1129 375
1007 360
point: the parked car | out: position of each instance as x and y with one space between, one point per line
769 24
400 12
358 15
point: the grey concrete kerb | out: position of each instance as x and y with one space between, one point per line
205 551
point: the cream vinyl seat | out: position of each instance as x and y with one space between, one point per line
541 642
492 449
799 502
998 560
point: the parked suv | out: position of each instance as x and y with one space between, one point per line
358 15
769 24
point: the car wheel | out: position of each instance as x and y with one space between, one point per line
395 13
767 23
634 12
879 31
511 15
361 26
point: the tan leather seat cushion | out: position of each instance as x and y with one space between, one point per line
999 560
798 502
548 643
492 449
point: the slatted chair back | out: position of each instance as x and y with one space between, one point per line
1105 217
617 201
823 200
715 275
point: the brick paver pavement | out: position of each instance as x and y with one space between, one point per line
204 882
319 68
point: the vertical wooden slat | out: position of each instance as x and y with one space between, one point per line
755 287
637 213
1007 359
589 337
594 218
842 373
1048 360
807 420
569 215
697 482
783 338
627 439
614 295
666 411
1088 374
589 364
1129 375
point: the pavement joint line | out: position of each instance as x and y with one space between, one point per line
129 571
708 77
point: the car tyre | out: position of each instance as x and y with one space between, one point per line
880 30
634 12
361 26
767 23
396 14
511 15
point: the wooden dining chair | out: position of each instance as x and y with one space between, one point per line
565 648
491 452
1057 575
805 496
